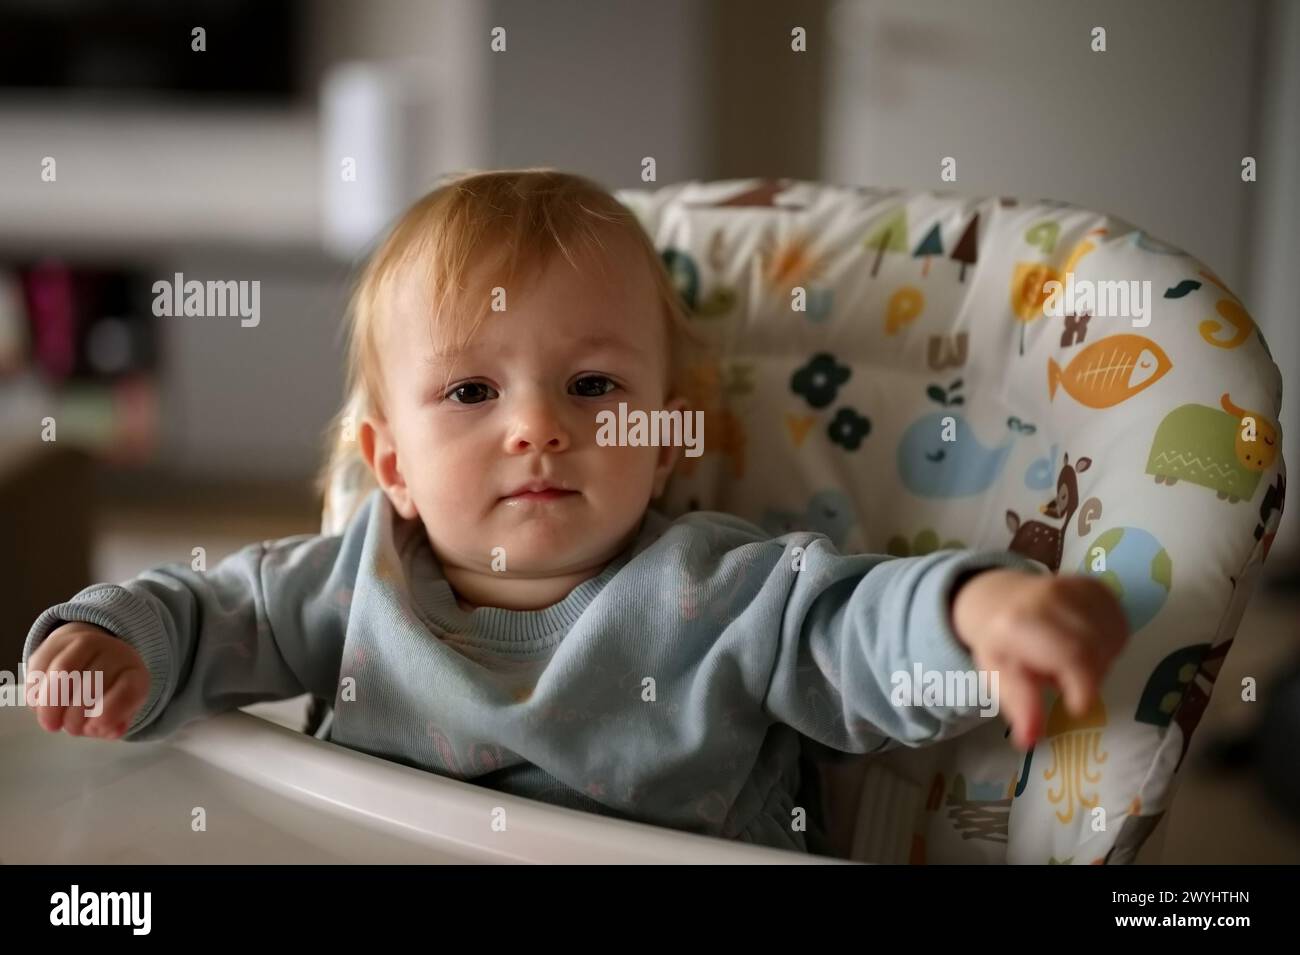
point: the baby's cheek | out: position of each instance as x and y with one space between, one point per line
460 503
631 467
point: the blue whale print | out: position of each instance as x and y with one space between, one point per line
932 467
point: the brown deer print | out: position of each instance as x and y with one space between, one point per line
1043 542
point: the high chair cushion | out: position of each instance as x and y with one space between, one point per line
857 329
892 370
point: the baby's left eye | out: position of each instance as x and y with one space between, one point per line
593 386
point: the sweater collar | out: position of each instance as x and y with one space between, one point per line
433 597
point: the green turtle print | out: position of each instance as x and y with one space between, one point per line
1226 450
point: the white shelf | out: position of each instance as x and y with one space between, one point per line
156 176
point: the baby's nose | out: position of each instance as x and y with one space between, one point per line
538 428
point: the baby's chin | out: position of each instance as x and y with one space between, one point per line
519 548
552 554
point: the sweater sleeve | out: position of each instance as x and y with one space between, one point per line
266 623
863 640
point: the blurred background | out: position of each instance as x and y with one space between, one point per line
220 164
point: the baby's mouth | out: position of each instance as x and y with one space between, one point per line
537 492
548 495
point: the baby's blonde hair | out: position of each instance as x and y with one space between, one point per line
514 220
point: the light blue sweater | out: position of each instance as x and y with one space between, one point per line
672 688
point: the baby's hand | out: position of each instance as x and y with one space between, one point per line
86 647
1034 629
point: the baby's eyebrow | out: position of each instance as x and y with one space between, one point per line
439 357
607 341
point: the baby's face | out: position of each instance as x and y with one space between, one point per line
495 447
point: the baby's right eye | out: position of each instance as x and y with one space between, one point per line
471 393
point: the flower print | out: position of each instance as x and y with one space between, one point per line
819 380
848 429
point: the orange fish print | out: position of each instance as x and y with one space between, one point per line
1110 370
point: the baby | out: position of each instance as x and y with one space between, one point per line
506 607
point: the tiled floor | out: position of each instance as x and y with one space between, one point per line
1214 819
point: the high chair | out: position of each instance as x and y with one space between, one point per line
897 371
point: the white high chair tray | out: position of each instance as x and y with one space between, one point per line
272 795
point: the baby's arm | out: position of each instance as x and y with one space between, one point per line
176 644
862 636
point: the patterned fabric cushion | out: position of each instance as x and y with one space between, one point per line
1133 437
890 371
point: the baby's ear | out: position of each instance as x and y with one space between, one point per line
380 453
692 436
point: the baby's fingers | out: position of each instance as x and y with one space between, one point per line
50 718
54 705
56 685
50 648
77 707
1067 658
1021 704
123 700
